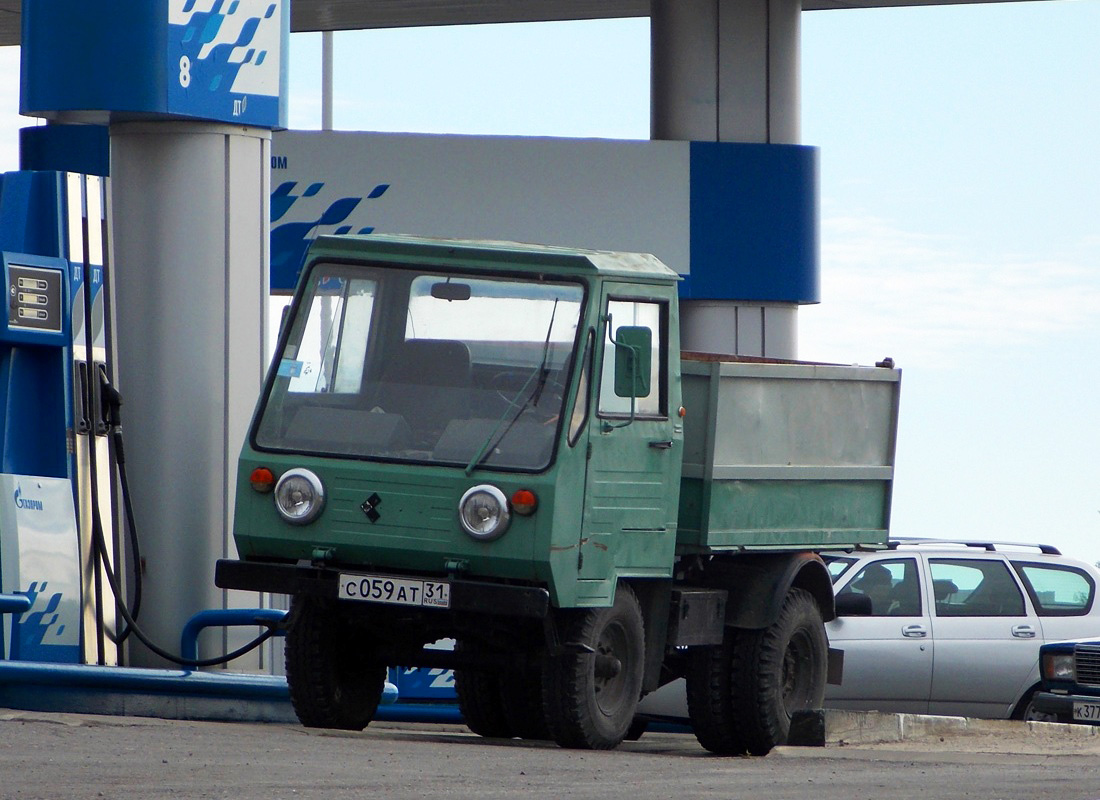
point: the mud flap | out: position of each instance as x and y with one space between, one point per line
835 672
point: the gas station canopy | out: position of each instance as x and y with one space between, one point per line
323 15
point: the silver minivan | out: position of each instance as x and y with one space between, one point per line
935 627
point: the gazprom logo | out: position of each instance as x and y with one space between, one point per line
26 502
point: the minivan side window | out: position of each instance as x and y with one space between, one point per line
1057 591
892 586
975 588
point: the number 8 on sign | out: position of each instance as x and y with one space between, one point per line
185 71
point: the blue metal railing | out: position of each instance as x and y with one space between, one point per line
14 603
226 617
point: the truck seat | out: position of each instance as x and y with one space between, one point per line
429 384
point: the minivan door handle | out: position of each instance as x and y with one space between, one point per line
1023 631
914 631
662 445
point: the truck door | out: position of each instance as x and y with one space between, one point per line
634 456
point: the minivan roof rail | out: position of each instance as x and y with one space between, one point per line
1045 549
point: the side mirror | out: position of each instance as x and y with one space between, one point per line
851 604
633 361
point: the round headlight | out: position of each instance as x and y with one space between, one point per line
483 512
299 496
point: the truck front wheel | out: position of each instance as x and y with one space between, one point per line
332 680
591 690
742 693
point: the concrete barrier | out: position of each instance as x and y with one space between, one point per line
824 727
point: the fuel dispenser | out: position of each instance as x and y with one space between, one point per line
55 471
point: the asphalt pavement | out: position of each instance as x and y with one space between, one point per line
53 756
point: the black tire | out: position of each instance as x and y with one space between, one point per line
589 698
332 679
521 697
710 697
741 694
780 670
479 699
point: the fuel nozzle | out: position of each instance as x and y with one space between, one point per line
110 407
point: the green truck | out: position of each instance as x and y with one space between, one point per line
503 445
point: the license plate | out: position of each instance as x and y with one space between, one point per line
395 591
1089 712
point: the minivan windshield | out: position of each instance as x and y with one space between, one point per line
406 364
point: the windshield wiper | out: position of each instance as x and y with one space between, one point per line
542 373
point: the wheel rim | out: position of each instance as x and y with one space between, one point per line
1031 715
797 678
610 669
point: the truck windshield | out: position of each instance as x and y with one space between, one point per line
408 365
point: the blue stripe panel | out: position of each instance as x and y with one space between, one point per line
66 148
30 213
81 56
754 223
34 380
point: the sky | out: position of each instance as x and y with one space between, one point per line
960 216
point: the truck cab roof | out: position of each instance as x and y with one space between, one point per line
482 254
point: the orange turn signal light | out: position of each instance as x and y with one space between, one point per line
262 480
524 502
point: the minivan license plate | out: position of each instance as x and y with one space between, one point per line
1089 712
395 591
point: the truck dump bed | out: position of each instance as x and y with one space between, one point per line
783 455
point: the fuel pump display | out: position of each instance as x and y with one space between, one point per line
34 298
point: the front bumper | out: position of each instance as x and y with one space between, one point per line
476 597
1061 705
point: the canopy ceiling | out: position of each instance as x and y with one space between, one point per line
321 15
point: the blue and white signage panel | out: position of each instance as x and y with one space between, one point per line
739 221
40 558
217 60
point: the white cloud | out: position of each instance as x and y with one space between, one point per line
927 299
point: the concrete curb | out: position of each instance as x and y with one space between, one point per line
822 728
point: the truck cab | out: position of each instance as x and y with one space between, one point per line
475 419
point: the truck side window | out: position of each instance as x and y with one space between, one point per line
333 343
630 313
580 408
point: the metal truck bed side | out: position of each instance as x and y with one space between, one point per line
785 455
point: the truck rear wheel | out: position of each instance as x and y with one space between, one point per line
479 698
742 693
479 701
590 692
499 704
521 693
710 697
332 680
